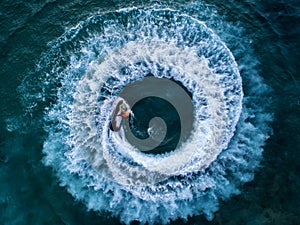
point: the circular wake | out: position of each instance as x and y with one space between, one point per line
162 168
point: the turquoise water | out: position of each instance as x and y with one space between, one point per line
262 36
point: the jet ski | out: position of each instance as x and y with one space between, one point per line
121 111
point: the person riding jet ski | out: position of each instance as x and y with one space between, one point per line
122 110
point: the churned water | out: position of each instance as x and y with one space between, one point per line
233 66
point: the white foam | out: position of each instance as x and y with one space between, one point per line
104 170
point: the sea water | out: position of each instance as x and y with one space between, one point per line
58 162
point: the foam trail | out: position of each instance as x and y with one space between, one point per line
107 173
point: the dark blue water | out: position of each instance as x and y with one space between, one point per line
30 192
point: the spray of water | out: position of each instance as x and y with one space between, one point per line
88 69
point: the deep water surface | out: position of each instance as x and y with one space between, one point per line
30 192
